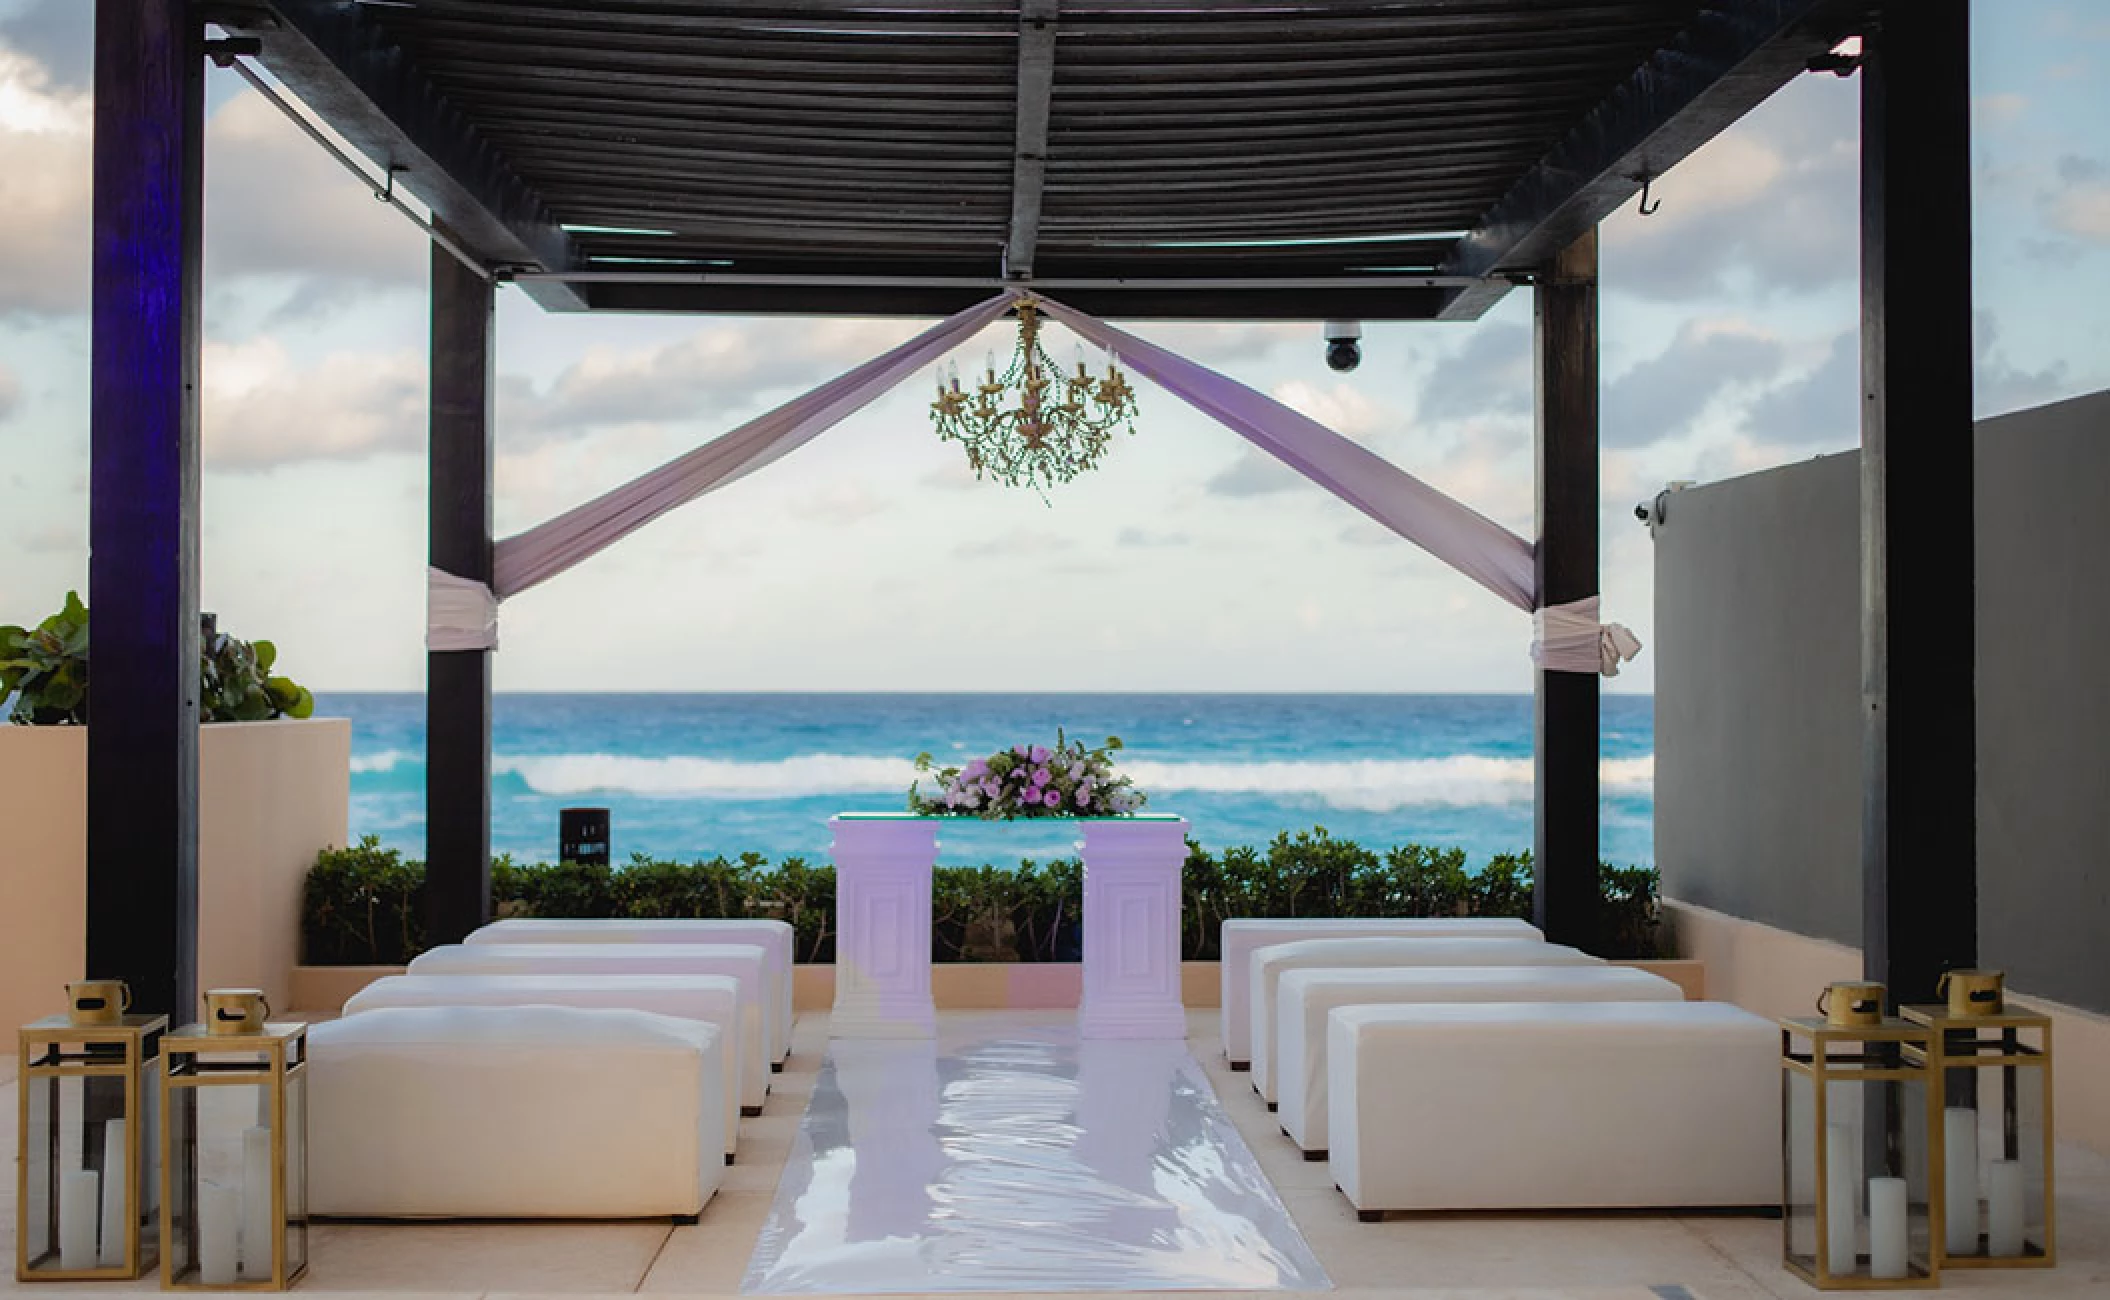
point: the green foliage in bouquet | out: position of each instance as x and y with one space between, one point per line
46 668
1068 780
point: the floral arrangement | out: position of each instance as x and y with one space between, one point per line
1067 780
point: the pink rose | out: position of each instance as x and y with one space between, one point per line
1054 799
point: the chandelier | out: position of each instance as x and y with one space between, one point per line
1033 425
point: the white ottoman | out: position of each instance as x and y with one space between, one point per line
713 999
1553 1105
742 961
1304 997
1266 968
1240 937
513 1113
775 938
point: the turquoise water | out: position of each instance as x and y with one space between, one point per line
689 775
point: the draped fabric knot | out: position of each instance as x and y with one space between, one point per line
1569 639
460 613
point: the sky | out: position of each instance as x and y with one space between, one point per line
872 559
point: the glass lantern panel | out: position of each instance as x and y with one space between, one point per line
40 1164
1799 1100
1994 1124
1873 1178
237 1222
296 1149
181 1242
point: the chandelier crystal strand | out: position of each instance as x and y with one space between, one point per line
1034 425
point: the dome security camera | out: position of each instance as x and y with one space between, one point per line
1344 348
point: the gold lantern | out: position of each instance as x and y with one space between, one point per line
1861 1208
1992 1069
84 1174
234 1151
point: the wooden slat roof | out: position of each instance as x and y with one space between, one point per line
1288 141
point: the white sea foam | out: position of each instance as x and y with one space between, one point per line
385 761
1361 785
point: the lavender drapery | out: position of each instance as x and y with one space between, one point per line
462 613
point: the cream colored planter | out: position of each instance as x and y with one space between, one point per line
270 796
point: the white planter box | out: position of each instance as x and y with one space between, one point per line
270 796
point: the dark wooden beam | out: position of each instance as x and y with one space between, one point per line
1157 303
1734 55
147 215
1029 158
345 69
1919 746
458 682
1564 853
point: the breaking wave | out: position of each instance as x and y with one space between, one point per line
1362 785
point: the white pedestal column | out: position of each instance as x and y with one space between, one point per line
1132 929
882 919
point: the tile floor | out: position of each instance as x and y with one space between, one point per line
1435 1257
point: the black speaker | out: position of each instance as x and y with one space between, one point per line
582 836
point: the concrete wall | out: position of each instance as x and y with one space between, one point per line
270 795
1758 736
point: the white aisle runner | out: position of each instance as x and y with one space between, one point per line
1019 1159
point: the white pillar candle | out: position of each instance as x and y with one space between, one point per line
2004 1208
219 1216
258 1220
1841 1246
259 1224
1886 1228
1960 1180
80 1203
116 1195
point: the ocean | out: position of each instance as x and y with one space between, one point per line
685 775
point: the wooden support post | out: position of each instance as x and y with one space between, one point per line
458 682
142 793
1919 743
1565 893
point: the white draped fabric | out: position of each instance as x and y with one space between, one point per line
463 613
460 613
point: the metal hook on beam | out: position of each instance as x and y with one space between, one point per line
387 193
1646 209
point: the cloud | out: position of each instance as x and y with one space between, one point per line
2080 207
261 412
1999 109
1821 406
10 392
1489 374
1346 410
59 35
1143 539
1659 398
1774 199
1253 474
44 189
1998 385
716 369
1017 542
56 537
841 502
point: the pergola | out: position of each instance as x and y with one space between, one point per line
1156 159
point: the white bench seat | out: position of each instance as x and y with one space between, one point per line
1270 963
1305 997
1242 935
774 937
742 961
1553 1105
713 999
513 1113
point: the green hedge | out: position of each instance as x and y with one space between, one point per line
361 904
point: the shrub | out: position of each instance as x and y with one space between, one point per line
46 667
362 902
